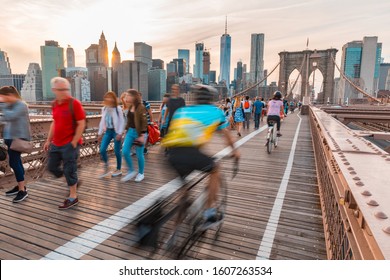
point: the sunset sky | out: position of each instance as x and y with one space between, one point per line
171 24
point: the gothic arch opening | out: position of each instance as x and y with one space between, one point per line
294 84
316 84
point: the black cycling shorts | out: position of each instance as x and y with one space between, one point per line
187 159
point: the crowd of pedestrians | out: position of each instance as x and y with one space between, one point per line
125 121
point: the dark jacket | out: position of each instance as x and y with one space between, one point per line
140 120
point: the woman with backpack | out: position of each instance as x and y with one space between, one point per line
111 128
17 126
246 105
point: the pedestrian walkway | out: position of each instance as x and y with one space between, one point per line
273 207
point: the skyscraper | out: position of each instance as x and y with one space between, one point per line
52 60
384 70
158 64
5 67
15 80
185 54
212 77
32 87
143 53
198 71
97 64
172 68
70 58
360 62
257 58
180 66
133 74
115 62
103 50
116 58
157 84
206 67
226 45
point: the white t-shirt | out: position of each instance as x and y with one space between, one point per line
247 109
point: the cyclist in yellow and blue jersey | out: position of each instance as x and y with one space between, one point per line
192 127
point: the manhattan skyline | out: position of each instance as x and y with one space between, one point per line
172 24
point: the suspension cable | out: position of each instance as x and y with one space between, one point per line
258 83
353 85
296 80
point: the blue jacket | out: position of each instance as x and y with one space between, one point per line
17 121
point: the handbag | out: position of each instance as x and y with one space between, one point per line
22 146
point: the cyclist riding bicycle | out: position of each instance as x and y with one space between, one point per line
275 109
191 128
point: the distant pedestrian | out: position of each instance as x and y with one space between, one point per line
111 128
65 137
264 112
257 111
149 117
136 127
285 106
247 107
228 109
238 113
161 119
175 102
17 126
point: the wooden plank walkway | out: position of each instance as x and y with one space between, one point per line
35 227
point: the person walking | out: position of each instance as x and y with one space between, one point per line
17 126
247 107
257 111
175 102
136 127
111 128
238 115
149 117
264 111
65 137
124 105
161 120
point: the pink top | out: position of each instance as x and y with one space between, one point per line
274 107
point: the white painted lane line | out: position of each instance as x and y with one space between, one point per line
93 237
272 225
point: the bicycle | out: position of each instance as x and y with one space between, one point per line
189 227
272 137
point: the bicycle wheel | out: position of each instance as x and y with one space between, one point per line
200 227
270 141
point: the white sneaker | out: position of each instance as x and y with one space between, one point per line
106 173
116 173
129 176
139 177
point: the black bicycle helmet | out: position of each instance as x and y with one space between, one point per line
277 95
204 94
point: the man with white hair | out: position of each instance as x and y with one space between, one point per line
64 138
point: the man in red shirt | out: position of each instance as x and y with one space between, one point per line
64 138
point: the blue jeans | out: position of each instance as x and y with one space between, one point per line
68 156
131 135
107 137
15 161
257 120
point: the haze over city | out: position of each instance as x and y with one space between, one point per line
172 24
